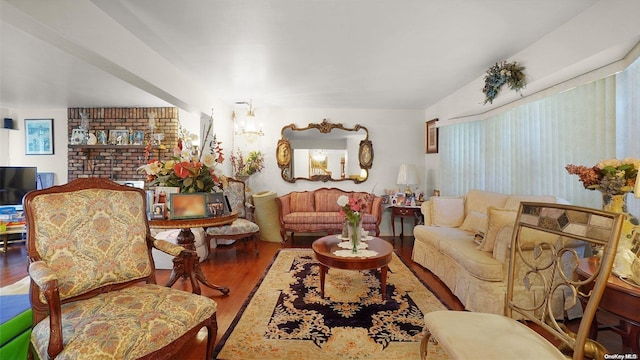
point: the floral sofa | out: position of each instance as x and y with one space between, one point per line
318 211
465 241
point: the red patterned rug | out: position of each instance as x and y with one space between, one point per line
285 317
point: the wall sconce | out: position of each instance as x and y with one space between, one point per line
248 128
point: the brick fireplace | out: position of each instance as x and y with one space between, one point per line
119 162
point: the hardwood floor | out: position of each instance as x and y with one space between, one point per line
240 269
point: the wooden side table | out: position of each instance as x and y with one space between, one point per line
404 212
187 239
619 299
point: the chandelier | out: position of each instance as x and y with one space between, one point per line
247 126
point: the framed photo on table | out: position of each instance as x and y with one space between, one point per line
431 137
217 204
39 136
157 212
188 206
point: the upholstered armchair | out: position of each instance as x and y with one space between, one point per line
93 288
243 228
551 231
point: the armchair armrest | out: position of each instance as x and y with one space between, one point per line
168 248
283 205
425 208
47 282
376 208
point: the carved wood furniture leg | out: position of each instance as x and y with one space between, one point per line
199 275
176 272
383 281
323 274
194 272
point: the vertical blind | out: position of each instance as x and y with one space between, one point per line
525 150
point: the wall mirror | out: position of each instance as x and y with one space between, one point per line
324 152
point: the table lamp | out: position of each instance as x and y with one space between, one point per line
407 175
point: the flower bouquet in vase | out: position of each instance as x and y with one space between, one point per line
615 179
350 209
188 169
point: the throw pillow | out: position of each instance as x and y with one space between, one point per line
447 212
497 219
475 222
302 202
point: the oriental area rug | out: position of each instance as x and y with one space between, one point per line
286 318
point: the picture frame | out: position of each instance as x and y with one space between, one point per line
283 153
217 204
119 137
138 137
431 137
365 154
162 193
38 136
157 211
188 206
78 136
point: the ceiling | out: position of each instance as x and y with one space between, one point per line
392 54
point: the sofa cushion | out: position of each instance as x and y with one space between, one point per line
447 212
476 222
513 201
327 199
366 200
434 235
479 264
480 200
323 218
302 201
497 219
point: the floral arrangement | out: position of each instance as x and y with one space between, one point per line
610 176
188 168
503 73
247 166
350 208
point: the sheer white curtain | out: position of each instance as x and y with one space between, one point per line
628 119
525 150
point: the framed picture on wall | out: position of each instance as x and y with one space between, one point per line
38 136
431 137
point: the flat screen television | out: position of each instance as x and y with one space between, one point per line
15 182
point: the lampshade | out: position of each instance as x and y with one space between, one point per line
407 175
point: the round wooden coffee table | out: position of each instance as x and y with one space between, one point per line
324 247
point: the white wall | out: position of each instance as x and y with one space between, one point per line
12 146
578 52
397 136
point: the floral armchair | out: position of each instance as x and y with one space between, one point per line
243 228
93 288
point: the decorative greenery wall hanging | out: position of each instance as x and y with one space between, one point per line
503 73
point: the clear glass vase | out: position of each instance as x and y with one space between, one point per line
355 234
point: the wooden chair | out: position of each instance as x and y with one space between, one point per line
243 228
93 287
547 273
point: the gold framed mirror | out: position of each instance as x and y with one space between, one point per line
324 152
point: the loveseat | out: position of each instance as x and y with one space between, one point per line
465 241
318 211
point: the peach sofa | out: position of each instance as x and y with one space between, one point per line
318 211
474 267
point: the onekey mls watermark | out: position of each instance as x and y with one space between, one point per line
629 356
